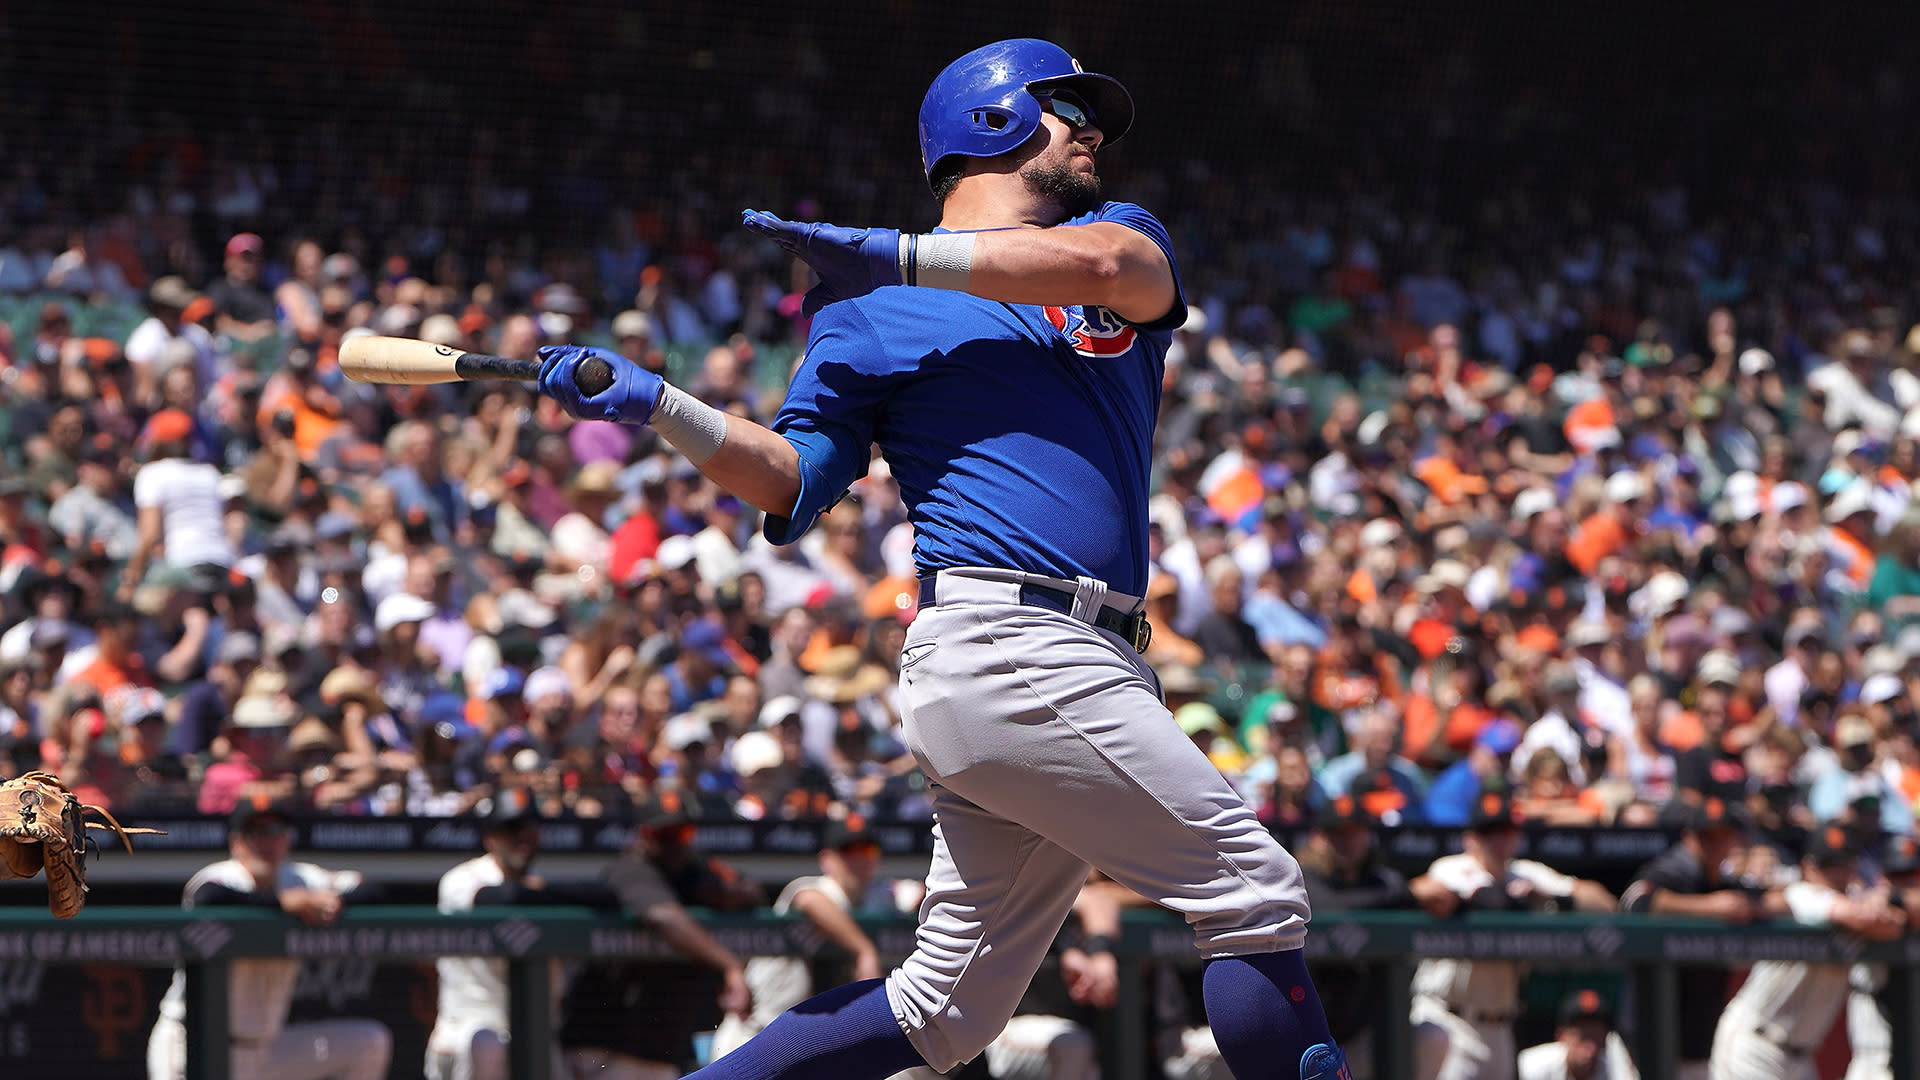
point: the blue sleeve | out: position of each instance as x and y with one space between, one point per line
1450 800
1140 221
1827 797
830 413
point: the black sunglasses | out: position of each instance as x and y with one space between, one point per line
1075 112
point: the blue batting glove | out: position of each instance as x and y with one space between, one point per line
849 262
630 400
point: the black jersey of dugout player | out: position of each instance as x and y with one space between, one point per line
648 1011
1703 990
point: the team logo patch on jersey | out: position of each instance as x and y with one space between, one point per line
1094 331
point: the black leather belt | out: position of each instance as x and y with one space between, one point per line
1133 629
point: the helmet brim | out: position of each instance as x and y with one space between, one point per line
1112 105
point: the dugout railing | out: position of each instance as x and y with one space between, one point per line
1648 950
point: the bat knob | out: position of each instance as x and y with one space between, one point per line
593 377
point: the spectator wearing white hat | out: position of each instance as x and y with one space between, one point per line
756 758
716 548
550 698
1603 699
1790 502
1611 528
1855 386
1531 501
1849 538
407 671
633 338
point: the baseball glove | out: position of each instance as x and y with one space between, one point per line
42 826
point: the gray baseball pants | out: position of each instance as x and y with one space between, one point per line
1050 750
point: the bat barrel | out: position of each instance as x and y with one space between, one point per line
409 362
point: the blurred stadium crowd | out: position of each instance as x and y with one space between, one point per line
1602 495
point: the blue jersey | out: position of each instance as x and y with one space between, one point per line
1021 436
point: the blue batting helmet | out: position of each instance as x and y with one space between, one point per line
983 104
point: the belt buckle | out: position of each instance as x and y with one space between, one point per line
1142 633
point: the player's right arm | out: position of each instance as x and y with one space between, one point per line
819 444
758 466
746 459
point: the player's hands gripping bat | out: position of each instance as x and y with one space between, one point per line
849 262
410 362
629 395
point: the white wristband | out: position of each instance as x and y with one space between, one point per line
689 425
936 260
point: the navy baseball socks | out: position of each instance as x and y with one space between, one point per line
1263 1008
846 1033
1266 1017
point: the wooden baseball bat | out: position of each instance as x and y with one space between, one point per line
410 362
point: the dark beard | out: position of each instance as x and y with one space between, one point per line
1061 185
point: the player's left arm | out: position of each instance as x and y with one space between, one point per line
1103 263
1119 258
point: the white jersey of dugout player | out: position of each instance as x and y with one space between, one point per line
1548 1061
1463 1010
473 989
259 992
1869 1034
1782 1012
781 982
1482 986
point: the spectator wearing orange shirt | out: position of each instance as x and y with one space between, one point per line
1849 538
115 663
1450 473
1610 529
295 391
1442 722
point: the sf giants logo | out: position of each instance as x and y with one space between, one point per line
1094 331
113 1008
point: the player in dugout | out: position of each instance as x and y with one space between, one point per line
1690 878
1473 1003
260 873
470 1033
1781 1013
1009 367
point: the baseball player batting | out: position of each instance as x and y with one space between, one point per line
1012 386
